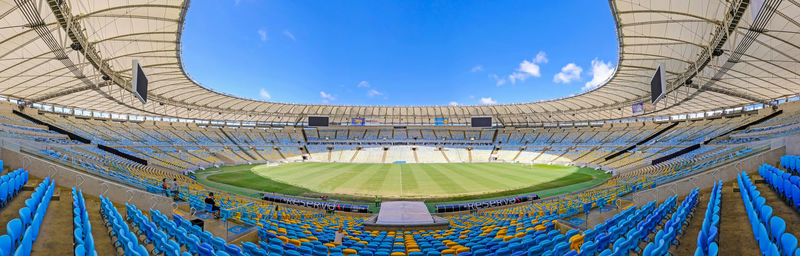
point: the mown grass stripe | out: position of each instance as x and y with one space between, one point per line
409 181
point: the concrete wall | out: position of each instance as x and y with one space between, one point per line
89 183
6 108
706 179
792 144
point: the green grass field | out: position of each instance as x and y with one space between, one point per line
432 182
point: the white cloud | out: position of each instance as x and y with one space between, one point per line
569 73
488 101
541 57
497 80
364 84
477 68
327 96
262 34
453 103
372 93
289 35
528 68
264 94
601 71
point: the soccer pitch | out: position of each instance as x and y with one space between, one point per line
435 182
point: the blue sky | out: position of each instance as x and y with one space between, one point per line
405 52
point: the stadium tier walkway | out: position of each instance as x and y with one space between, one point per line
55 236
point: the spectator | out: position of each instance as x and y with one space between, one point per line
174 186
164 186
214 207
339 236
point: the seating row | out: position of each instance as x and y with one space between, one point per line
11 185
769 230
119 230
786 184
22 231
708 236
83 241
666 237
790 162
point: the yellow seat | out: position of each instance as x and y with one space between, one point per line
462 250
398 254
448 252
283 239
576 242
349 251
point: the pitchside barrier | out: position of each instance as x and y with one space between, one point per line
317 204
485 204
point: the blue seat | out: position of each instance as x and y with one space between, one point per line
209 208
602 241
588 248
713 249
79 251
765 213
233 250
702 240
205 250
14 229
788 244
777 227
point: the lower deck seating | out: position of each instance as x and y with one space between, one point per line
769 230
785 183
666 237
122 237
22 231
11 185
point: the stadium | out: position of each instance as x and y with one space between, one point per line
109 147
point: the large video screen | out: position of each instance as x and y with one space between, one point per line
317 121
658 85
482 121
139 82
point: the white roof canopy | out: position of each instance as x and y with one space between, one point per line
731 58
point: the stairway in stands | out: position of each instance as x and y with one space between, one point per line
237 144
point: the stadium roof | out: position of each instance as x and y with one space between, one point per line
56 52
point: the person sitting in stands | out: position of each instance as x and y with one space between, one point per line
174 187
164 186
214 207
338 236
